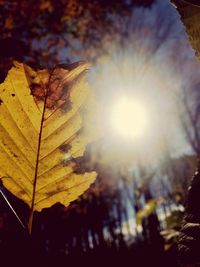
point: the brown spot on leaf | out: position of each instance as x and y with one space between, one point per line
55 84
12 95
71 66
51 193
65 162
65 88
67 106
65 148
37 91
1 101
21 193
57 190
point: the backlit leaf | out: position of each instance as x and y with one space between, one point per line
46 121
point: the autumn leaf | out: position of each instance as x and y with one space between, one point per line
189 11
148 209
46 121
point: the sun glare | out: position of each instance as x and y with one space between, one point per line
129 118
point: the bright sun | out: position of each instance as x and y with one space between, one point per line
129 118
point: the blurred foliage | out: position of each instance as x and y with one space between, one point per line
36 32
171 233
148 209
175 219
182 169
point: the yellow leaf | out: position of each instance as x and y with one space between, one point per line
148 209
189 11
46 121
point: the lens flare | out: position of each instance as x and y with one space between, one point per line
129 118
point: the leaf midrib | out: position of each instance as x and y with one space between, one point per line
37 160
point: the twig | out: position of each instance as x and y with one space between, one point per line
12 209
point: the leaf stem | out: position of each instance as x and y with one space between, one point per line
30 220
